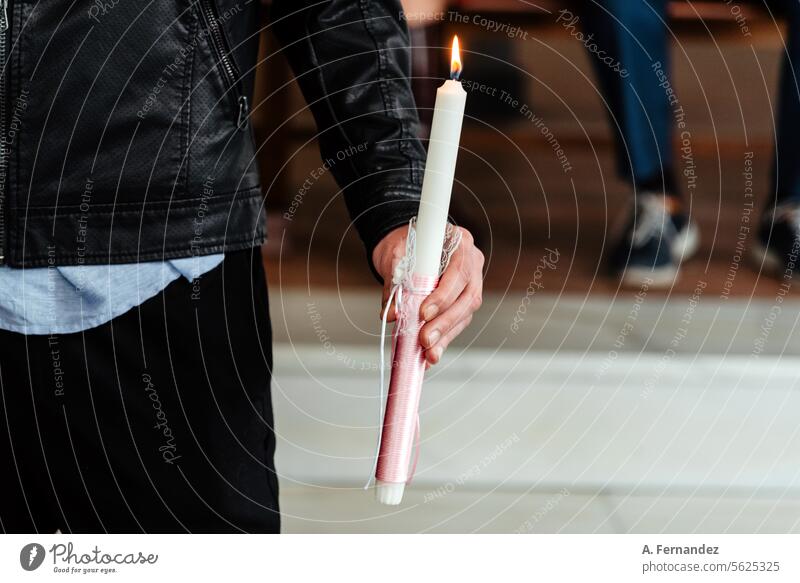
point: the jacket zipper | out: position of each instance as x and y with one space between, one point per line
225 63
3 149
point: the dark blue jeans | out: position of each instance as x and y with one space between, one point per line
157 421
634 34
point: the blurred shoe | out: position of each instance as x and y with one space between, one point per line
656 239
777 248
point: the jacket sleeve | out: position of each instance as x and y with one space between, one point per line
351 59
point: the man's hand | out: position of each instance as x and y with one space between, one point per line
448 310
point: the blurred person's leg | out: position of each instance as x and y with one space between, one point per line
630 38
778 245
628 43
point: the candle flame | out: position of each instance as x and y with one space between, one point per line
455 60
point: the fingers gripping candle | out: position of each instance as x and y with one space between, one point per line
400 424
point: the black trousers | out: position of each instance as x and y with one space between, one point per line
158 421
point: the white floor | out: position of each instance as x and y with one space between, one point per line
326 510
592 438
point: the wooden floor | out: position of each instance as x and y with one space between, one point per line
519 224
513 192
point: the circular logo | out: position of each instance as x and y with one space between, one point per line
31 556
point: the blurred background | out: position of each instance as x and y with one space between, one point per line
570 404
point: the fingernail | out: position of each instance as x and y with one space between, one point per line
433 337
437 353
430 312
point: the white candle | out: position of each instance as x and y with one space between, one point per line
406 384
437 184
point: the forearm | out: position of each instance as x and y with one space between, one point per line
351 60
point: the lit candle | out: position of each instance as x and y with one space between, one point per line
400 424
440 167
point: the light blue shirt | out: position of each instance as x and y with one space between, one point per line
67 299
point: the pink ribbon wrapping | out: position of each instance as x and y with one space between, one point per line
401 421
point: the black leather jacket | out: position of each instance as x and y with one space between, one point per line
125 133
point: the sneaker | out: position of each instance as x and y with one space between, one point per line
777 248
657 239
